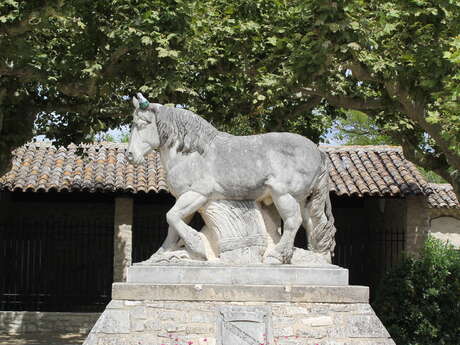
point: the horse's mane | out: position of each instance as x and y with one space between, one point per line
185 128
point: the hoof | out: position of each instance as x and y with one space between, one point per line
166 257
196 246
273 258
272 261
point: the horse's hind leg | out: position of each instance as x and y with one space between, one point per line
289 209
186 205
308 222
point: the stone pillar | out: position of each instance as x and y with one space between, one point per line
417 224
122 246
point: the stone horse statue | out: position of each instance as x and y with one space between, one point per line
204 164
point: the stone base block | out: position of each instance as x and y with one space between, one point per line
206 314
240 293
238 275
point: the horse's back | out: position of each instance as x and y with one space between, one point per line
247 165
295 161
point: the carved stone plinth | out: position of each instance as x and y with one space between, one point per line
238 275
226 312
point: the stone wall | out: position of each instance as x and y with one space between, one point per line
122 250
445 225
417 224
422 221
183 323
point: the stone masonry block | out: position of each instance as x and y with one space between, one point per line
202 317
312 315
318 321
113 321
359 326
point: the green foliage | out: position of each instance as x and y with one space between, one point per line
249 66
74 63
356 128
419 300
430 176
120 135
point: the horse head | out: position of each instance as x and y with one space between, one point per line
144 135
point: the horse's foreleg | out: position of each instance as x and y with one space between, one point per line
170 242
186 205
289 209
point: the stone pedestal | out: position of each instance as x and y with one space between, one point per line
221 305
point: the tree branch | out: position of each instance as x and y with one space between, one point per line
415 109
347 101
79 89
430 162
360 72
89 86
2 115
66 108
307 106
426 160
113 61
355 131
26 73
25 25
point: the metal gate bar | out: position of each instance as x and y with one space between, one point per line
56 264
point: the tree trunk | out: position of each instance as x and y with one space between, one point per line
16 126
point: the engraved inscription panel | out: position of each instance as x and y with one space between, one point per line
244 325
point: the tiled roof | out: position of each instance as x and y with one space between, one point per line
373 170
43 167
443 196
355 170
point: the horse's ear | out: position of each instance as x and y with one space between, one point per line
135 102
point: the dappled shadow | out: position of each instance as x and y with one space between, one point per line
43 339
45 328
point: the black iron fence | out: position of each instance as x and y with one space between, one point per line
65 262
150 228
368 252
56 264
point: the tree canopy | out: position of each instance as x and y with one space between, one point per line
249 66
356 128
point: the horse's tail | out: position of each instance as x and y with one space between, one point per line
317 217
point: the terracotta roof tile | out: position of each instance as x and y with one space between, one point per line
442 196
372 170
355 170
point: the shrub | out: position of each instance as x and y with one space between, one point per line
419 300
